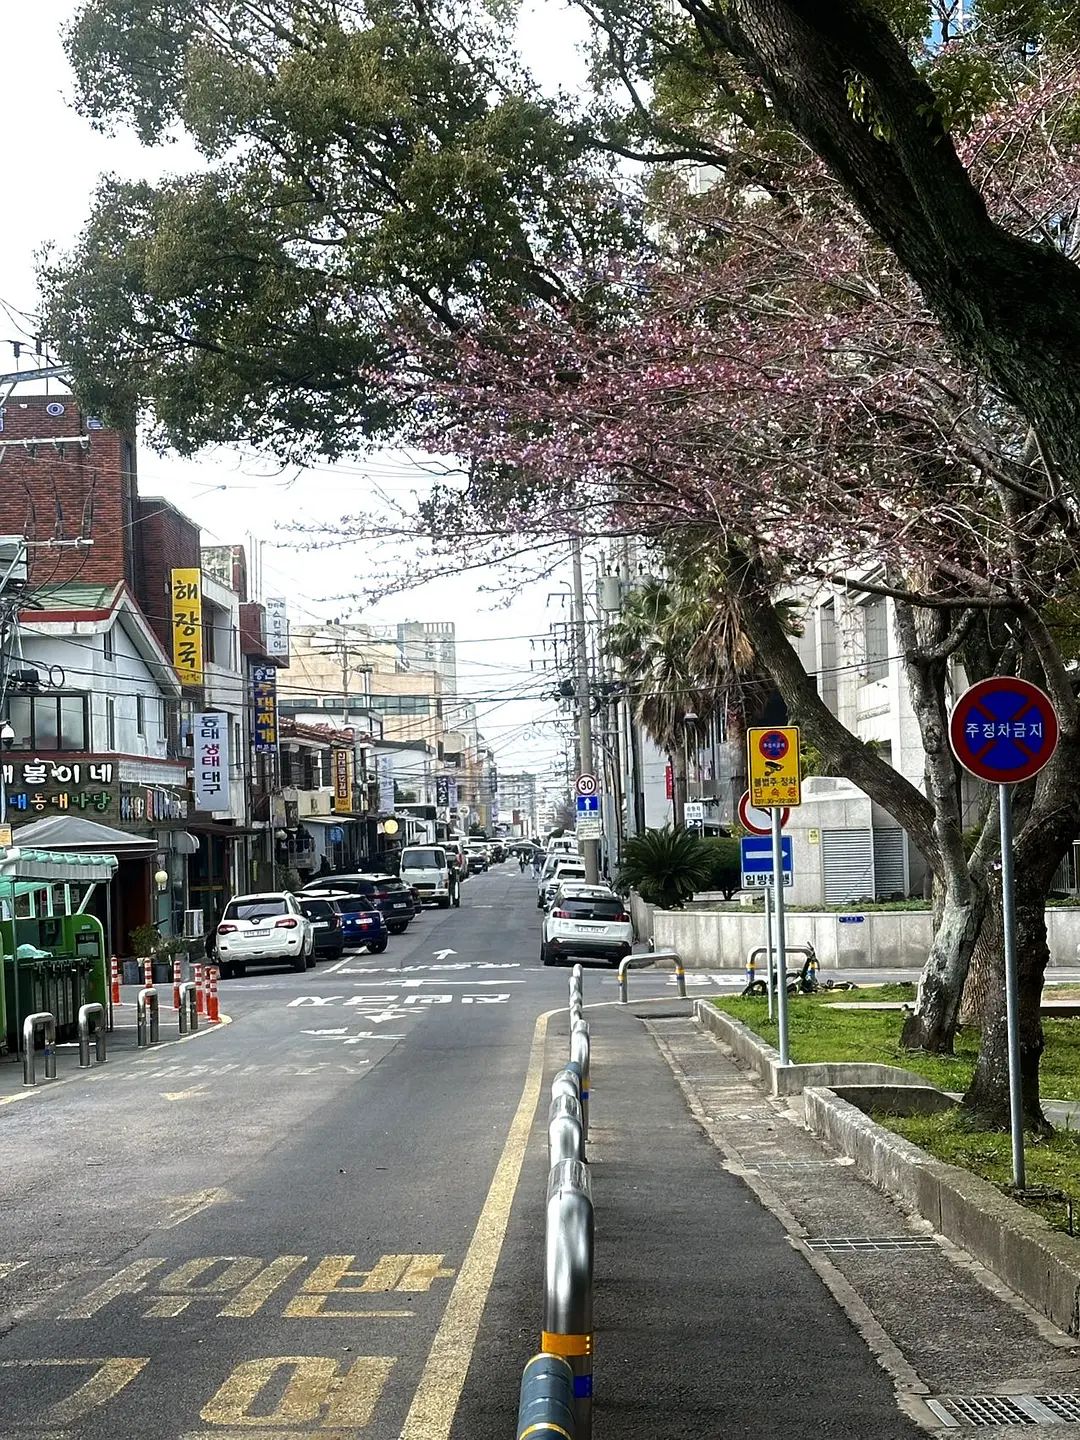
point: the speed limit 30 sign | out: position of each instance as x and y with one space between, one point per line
586 785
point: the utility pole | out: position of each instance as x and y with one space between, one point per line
584 709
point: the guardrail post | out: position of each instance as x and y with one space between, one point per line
751 968
44 1021
680 979
189 1007
147 1017
546 1406
566 1134
566 1082
579 1058
568 1283
91 1017
624 985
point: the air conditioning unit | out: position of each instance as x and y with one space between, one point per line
193 924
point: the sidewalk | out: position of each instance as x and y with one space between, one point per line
121 1047
750 1284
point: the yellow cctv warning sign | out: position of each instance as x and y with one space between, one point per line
773 766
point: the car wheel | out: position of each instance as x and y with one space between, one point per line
300 962
545 955
225 970
377 946
444 902
311 958
239 971
398 929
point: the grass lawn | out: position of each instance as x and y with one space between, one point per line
820 1032
817 1031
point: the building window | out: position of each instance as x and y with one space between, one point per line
110 723
49 722
140 714
107 645
875 639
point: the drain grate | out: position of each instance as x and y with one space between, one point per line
856 1244
956 1410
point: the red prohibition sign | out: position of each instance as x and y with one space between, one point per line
1003 730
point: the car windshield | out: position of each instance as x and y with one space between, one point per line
254 909
360 885
317 907
581 907
423 860
351 904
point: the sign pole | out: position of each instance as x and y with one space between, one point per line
778 931
1012 988
769 949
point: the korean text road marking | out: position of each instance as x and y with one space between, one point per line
317 1391
108 1379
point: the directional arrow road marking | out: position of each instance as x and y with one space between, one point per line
442 954
191 1094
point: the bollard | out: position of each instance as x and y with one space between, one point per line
624 984
579 1060
148 972
189 1007
114 981
812 966
146 1023
200 1001
91 1017
176 978
212 1013
751 970
546 1406
680 979
568 1282
44 1022
566 1135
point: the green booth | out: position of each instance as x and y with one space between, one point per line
54 954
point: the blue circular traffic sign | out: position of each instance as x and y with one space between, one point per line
1003 730
773 745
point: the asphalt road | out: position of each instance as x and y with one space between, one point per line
326 1218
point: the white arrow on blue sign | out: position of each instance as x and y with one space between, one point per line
588 804
757 861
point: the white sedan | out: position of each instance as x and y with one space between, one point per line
267 929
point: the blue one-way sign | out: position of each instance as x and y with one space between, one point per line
757 862
588 804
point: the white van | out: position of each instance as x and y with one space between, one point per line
563 845
431 870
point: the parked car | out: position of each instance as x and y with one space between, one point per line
498 852
386 893
361 922
586 920
564 869
326 924
479 856
270 928
428 869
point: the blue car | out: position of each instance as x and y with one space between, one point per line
361 924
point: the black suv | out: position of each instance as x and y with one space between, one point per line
386 893
326 925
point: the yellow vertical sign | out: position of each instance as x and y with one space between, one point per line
187 632
343 781
773 766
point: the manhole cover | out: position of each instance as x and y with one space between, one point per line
956 1410
856 1244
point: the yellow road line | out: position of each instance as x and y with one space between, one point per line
435 1403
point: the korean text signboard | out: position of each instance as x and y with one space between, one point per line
211 732
277 628
343 781
264 700
773 766
35 787
187 622
1003 730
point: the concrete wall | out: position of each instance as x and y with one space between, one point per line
880 939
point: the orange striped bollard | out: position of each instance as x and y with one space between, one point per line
176 978
200 1001
211 995
148 972
114 981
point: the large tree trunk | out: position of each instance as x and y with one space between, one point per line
677 761
988 1094
984 974
933 1024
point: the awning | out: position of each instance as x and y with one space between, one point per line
72 832
328 820
50 865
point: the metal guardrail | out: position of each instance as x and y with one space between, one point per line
189 1007
645 960
811 968
91 1020
146 1022
46 1023
557 1385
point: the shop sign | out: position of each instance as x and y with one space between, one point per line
264 699
277 628
343 781
34 786
385 768
187 622
211 734
150 804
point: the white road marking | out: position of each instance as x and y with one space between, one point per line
443 954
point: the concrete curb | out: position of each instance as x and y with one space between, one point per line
792 1079
1039 1264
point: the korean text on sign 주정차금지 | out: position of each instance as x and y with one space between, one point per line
1004 730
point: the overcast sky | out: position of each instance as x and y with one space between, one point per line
51 162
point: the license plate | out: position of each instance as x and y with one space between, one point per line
401 905
320 925
590 929
258 933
